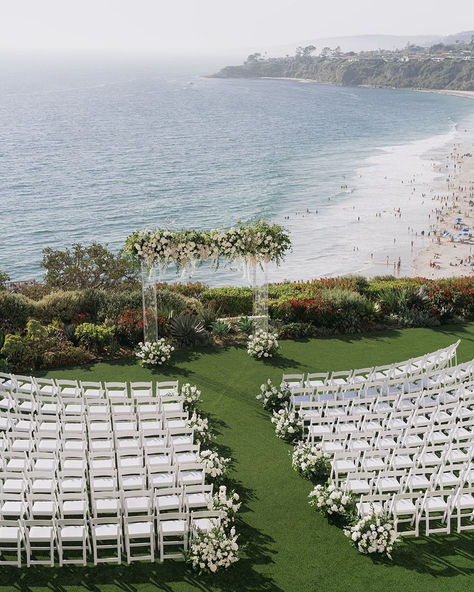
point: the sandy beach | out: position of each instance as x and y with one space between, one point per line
451 252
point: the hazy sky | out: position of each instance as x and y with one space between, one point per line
212 26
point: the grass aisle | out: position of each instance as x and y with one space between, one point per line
290 548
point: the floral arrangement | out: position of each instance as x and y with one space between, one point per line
202 431
154 353
215 466
191 396
213 550
257 243
273 398
310 461
226 502
331 501
288 425
373 533
262 344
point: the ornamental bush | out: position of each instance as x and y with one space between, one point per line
214 550
15 309
63 306
228 301
95 338
273 398
262 345
288 425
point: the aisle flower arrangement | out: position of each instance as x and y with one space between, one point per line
331 501
154 353
214 550
202 431
373 533
226 502
310 461
288 425
191 396
262 344
273 398
216 466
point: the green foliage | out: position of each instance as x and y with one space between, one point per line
208 316
63 306
297 330
221 329
188 330
245 325
95 338
92 266
68 355
16 353
229 301
4 279
15 309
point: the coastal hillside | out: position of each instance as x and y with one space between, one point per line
437 67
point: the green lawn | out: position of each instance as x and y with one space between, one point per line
288 546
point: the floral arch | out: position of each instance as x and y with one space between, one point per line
248 246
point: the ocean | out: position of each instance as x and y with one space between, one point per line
91 150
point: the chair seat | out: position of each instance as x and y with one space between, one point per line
9 533
106 531
40 533
436 504
137 504
198 500
178 440
42 485
75 507
173 527
168 502
44 508
72 484
402 462
162 479
359 486
448 479
366 508
344 466
186 457
189 477
374 464
389 484
107 505
331 447
72 532
133 482
172 407
404 506
140 529
418 482
13 508
205 524
465 502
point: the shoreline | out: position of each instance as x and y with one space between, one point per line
467 94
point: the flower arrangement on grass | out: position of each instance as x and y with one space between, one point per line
288 425
373 533
310 461
226 502
191 396
215 466
333 502
154 353
213 550
202 431
273 398
262 345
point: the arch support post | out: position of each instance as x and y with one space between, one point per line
150 321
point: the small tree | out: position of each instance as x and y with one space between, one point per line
92 266
4 278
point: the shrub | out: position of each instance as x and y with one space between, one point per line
373 533
116 301
333 503
59 305
310 461
229 301
4 279
273 398
95 338
67 355
208 316
296 330
188 330
17 354
152 354
15 309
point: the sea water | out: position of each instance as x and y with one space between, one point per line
91 150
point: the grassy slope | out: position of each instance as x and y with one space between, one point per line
289 547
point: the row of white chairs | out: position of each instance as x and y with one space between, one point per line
412 367
436 510
373 389
104 539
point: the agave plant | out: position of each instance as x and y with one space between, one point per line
221 329
245 325
188 330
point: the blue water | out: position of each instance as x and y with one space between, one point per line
91 151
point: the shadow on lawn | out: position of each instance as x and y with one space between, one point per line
434 555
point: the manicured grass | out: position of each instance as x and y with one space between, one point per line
289 547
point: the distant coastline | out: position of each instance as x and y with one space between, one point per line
467 94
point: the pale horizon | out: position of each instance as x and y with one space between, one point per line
210 27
